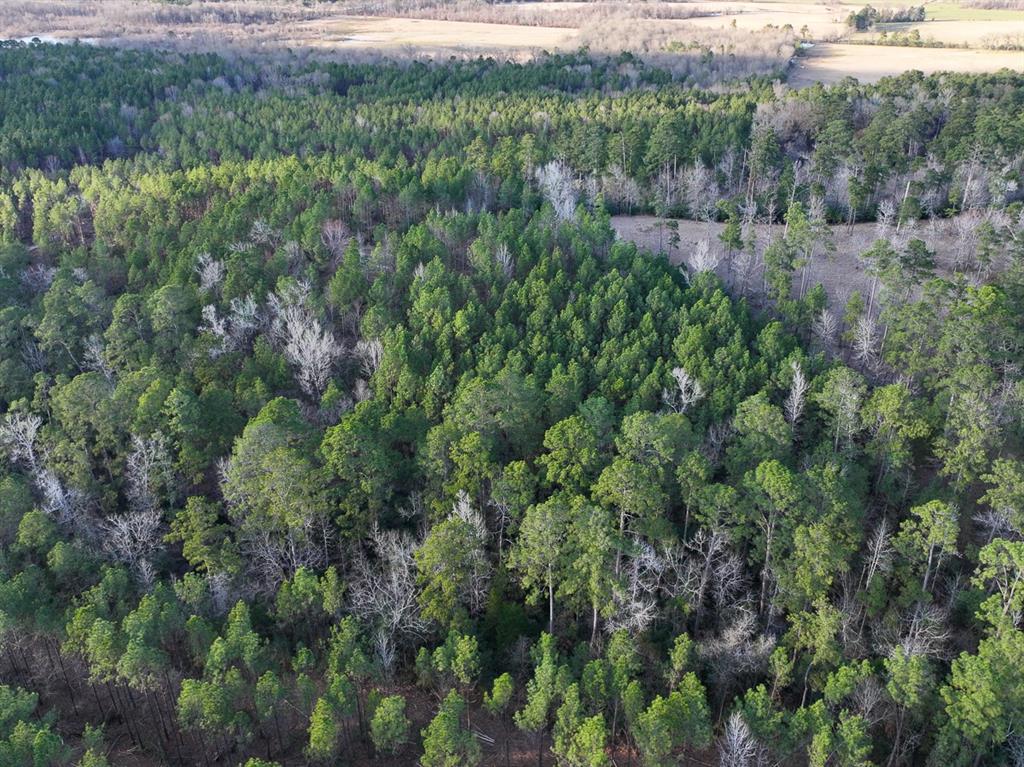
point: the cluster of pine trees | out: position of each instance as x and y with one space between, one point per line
338 427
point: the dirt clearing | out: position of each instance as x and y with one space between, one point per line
840 273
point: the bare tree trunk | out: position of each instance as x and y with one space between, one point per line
928 568
896 737
551 603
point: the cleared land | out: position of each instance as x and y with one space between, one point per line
823 21
975 34
957 12
840 274
831 62
743 37
374 33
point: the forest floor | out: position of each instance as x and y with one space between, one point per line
840 273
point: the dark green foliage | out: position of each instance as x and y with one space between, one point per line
313 388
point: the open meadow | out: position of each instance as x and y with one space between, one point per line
831 62
374 33
708 42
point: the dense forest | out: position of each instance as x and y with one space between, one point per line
339 428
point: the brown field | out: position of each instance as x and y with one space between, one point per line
824 21
375 32
831 62
979 33
746 36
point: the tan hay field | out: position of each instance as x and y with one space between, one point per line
325 28
831 62
973 33
375 32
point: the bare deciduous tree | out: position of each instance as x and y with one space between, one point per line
1015 747
18 433
505 260
619 189
885 220
382 593
738 651
923 630
865 341
974 180
261 233
738 747
825 330
715 573
558 186
306 343
33 357
705 258
274 555
94 357
994 523
667 189
68 505
794 404
687 392
481 569
335 237
702 192
235 330
133 538
149 473
878 558
211 273
869 701
369 352
361 391
649 574
38 278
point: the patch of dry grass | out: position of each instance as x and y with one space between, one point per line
536 14
831 62
390 33
709 42
652 30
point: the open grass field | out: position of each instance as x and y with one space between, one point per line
946 11
975 34
746 36
822 21
831 62
374 33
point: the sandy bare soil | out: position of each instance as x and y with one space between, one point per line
831 62
840 274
